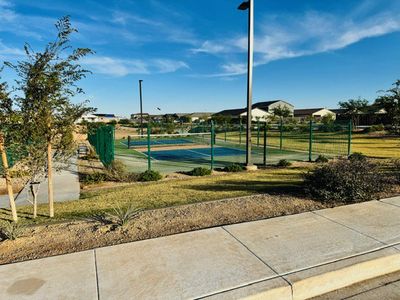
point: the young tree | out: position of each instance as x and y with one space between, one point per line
354 107
390 102
7 116
48 81
282 112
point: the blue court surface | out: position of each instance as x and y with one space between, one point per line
153 142
196 153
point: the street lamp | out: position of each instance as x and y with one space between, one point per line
141 107
249 5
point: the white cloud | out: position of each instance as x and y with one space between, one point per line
9 53
293 36
122 67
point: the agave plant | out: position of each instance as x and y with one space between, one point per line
121 216
12 231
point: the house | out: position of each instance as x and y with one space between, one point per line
89 118
371 116
241 113
197 116
107 118
269 106
137 116
260 110
315 113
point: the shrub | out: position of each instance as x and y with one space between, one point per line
396 170
200 172
121 216
234 168
357 156
93 178
117 171
379 127
283 163
321 159
12 231
344 180
149 175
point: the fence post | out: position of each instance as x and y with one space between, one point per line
240 131
281 135
129 141
265 145
148 148
226 129
349 137
212 145
310 142
258 133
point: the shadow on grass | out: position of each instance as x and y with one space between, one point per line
5 215
273 188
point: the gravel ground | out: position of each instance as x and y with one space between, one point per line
47 240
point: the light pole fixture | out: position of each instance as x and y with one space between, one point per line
141 107
249 5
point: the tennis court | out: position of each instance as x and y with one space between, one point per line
169 153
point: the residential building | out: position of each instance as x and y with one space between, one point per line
269 106
89 118
315 113
107 118
260 110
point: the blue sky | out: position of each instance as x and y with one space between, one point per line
191 54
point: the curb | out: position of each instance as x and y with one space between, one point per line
319 280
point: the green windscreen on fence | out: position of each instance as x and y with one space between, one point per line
102 139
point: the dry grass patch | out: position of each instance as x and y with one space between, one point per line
174 192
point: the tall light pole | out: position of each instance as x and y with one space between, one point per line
141 107
249 5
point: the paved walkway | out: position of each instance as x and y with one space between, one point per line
289 257
66 188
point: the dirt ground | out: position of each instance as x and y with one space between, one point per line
123 132
47 240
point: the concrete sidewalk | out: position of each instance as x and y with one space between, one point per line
66 187
291 257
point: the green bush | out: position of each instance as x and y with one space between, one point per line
345 180
357 156
283 163
200 172
234 168
321 159
379 127
149 175
93 178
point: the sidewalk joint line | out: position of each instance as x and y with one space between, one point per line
348 227
391 204
248 249
259 258
97 275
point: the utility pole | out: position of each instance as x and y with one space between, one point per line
249 5
141 107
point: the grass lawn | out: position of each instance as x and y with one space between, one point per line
172 192
376 145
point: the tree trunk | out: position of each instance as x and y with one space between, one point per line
50 179
34 200
8 179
